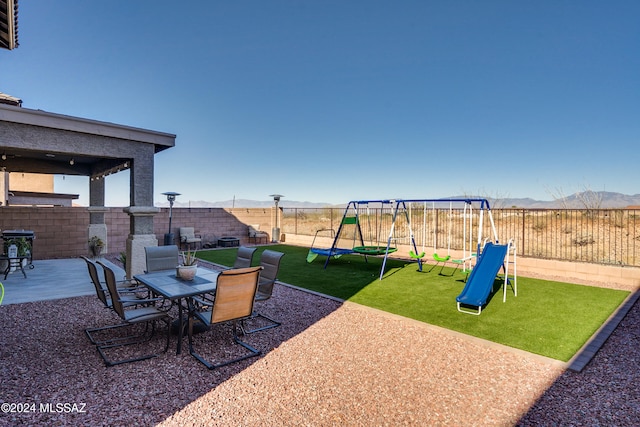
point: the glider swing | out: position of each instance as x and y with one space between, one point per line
467 231
437 258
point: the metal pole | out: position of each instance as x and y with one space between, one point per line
170 214
275 233
171 197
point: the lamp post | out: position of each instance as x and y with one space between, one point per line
171 197
275 233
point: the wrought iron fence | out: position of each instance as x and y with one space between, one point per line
599 236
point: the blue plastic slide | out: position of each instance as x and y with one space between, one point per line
480 281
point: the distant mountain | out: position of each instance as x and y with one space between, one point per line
582 200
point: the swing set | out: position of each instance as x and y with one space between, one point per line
370 215
349 237
467 236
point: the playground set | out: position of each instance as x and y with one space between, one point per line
378 216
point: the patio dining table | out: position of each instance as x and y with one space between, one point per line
167 284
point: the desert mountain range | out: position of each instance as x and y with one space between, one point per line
581 200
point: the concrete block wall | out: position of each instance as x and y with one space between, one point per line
210 223
213 223
62 232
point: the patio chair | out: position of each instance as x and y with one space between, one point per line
147 315
101 289
256 234
270 262
244 257
103 295
234 298
188 236
161 257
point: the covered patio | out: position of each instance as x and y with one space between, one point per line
37 141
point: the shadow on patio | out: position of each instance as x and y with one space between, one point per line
47 357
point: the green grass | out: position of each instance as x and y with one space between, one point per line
549 318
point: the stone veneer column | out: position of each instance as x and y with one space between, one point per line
141 236
97 226
141 211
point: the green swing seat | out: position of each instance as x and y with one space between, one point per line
373 250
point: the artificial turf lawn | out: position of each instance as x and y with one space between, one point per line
549 318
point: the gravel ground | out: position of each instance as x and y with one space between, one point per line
328 364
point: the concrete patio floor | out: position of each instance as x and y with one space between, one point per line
51 279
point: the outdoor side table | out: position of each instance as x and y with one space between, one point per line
29 235
15 262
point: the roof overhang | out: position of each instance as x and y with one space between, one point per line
35 198
8 24
41 142
160 140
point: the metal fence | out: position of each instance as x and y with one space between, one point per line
599 236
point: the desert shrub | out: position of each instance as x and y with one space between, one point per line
539 224
583 240
616 218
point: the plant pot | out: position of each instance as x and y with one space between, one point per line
95 251
187 272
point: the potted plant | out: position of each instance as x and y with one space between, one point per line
95 246
123 259
187 270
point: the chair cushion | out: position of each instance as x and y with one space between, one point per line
143 314
187 233
254 231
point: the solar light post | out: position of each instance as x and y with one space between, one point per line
171 197
275 233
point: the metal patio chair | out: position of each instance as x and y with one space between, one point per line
244 257
124 288
188 237
270 262
243 260
147 315
234 298
161 257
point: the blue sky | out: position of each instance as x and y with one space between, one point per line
331 101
